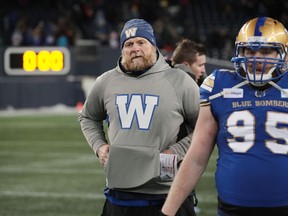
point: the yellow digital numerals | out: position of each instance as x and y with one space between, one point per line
43 61
37 61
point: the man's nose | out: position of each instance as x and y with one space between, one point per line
135 47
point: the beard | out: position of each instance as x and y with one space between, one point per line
138 62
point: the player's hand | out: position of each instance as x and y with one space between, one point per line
103 153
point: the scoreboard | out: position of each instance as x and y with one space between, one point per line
40 61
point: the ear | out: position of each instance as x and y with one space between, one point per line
186 63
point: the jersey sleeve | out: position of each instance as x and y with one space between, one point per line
206 89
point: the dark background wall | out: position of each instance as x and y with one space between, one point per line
37 91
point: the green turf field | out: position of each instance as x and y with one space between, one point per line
48 169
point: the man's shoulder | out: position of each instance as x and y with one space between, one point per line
106 77
224 72
108 73
177 74
218 75
219 79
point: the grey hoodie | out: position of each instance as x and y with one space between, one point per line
144 115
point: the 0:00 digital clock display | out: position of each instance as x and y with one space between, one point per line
37 61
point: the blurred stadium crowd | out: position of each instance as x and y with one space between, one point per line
214 23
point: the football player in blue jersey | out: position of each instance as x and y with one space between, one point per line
245 114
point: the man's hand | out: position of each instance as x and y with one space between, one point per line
168 151
103 152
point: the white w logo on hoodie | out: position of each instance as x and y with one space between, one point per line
136 108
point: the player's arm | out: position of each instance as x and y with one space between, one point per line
195 161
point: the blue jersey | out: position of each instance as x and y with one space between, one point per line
252 168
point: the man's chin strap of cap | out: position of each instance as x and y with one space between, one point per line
212 97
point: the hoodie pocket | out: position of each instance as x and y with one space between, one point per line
131 166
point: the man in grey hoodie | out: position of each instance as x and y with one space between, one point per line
151 110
